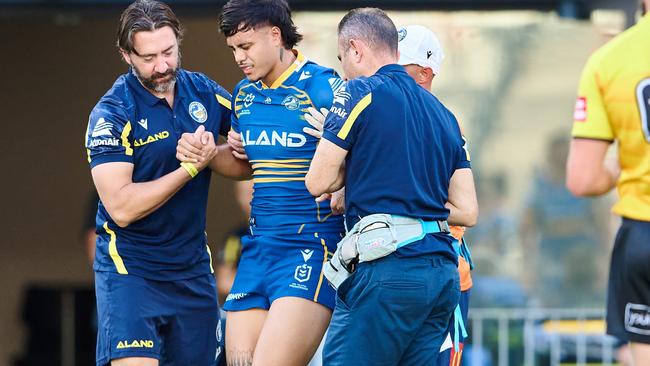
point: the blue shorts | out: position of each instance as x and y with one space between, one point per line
393 311
176 322
273 266
448 355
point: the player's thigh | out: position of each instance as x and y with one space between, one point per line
135 361
243 329
292 332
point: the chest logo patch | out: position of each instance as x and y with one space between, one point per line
198 112
292 103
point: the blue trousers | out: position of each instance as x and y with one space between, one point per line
393 311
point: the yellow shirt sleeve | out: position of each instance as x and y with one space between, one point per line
590 119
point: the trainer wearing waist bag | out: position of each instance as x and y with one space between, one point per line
403 161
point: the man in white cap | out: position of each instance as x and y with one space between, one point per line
421 55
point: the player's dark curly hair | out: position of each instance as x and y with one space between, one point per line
145 15
242 15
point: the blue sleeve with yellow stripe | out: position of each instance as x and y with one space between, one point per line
225 100
108 136
345 118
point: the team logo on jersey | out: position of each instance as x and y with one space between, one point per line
198 112
306 254
291 102
637 318
302 273
248 99
102 128
401 34
580 112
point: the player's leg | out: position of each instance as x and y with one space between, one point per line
292 332
127 313
451 352
243 329
247 304
628 306
301 298
640 353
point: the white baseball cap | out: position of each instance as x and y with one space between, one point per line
418 45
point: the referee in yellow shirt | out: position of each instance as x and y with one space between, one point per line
614 105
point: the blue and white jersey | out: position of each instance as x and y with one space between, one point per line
131 125
270 120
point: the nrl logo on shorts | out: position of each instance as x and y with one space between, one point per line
302 273
292 103
637 318
198 112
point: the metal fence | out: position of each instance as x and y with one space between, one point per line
537 337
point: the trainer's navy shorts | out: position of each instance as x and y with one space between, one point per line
176 322
275 266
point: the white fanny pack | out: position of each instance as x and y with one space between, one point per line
373 237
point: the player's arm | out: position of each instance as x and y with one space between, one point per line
327 170
127 201
461 201
190 148
588 173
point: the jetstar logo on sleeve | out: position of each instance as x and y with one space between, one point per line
580 112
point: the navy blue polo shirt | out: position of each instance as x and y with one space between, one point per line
129 124
403 147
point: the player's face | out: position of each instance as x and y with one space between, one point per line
256 51
155 59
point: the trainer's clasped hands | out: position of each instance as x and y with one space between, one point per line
197 148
